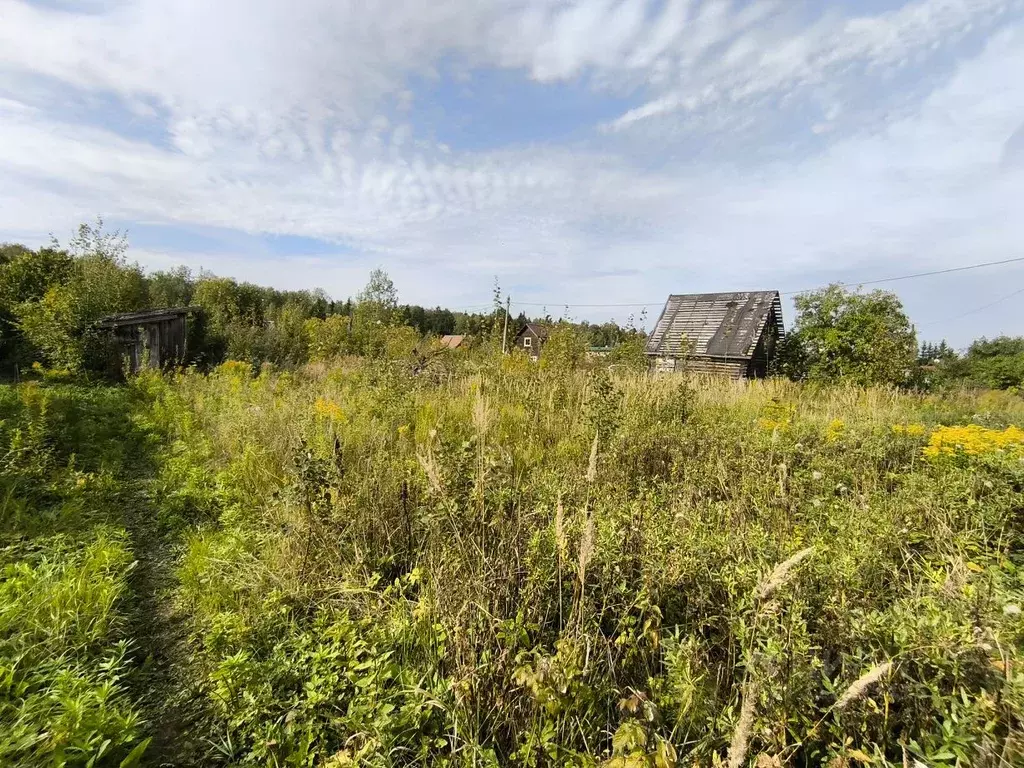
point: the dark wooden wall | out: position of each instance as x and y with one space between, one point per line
159 343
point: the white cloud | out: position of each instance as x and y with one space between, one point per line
277 121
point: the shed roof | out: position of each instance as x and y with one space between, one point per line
538 330
720 325
144 316
450 341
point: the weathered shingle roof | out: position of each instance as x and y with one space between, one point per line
145 316
538 330
720 325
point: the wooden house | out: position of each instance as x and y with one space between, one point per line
530 339
729 334
153 337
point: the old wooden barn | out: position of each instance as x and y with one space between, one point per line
730 334
153 337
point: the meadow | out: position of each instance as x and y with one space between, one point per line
489 562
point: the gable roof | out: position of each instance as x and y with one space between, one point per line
450 341
143 317
721 325
536 329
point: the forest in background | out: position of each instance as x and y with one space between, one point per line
50 299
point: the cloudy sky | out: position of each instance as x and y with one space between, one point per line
585 152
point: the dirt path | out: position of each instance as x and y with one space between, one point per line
163 687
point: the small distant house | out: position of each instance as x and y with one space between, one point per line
530 339
729 334
452 342
153 337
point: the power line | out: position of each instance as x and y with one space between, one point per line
976 309
877 281
909 277
561 304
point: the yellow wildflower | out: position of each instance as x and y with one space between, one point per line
235 368
912 430
974 440
328 409
777 416
835 430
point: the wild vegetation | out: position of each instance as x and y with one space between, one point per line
492 562
351 548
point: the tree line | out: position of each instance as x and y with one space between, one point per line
51 298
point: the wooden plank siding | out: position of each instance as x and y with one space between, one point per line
153 338
727 334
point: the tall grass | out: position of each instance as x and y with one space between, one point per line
65 561
508 564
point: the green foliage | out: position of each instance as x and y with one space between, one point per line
630 352
62 692
58 322
839 335
565 348
65 566
406 570
994 363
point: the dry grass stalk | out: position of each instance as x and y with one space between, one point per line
586 548
782 574
481 415
741 736
592 466
862 684
561 540
431 470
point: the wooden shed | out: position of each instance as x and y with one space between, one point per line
530 339
156 337
729 334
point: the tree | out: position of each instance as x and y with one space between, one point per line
565 348
60 323
851 336
173 288
997 363
378 301
376 311
25 276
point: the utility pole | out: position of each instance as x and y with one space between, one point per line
504 333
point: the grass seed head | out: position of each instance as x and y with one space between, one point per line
782 574
862 684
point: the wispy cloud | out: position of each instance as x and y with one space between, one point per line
769 144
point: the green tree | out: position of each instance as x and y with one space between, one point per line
565 348
840 335
60 324
173 288
375 311
25 276
995 363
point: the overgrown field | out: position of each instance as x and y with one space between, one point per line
514 565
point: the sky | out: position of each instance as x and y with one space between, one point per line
583 153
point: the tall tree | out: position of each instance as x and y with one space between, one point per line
840 335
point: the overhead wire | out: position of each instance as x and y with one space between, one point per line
877 281
974 311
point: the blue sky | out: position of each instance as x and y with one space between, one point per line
591 152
